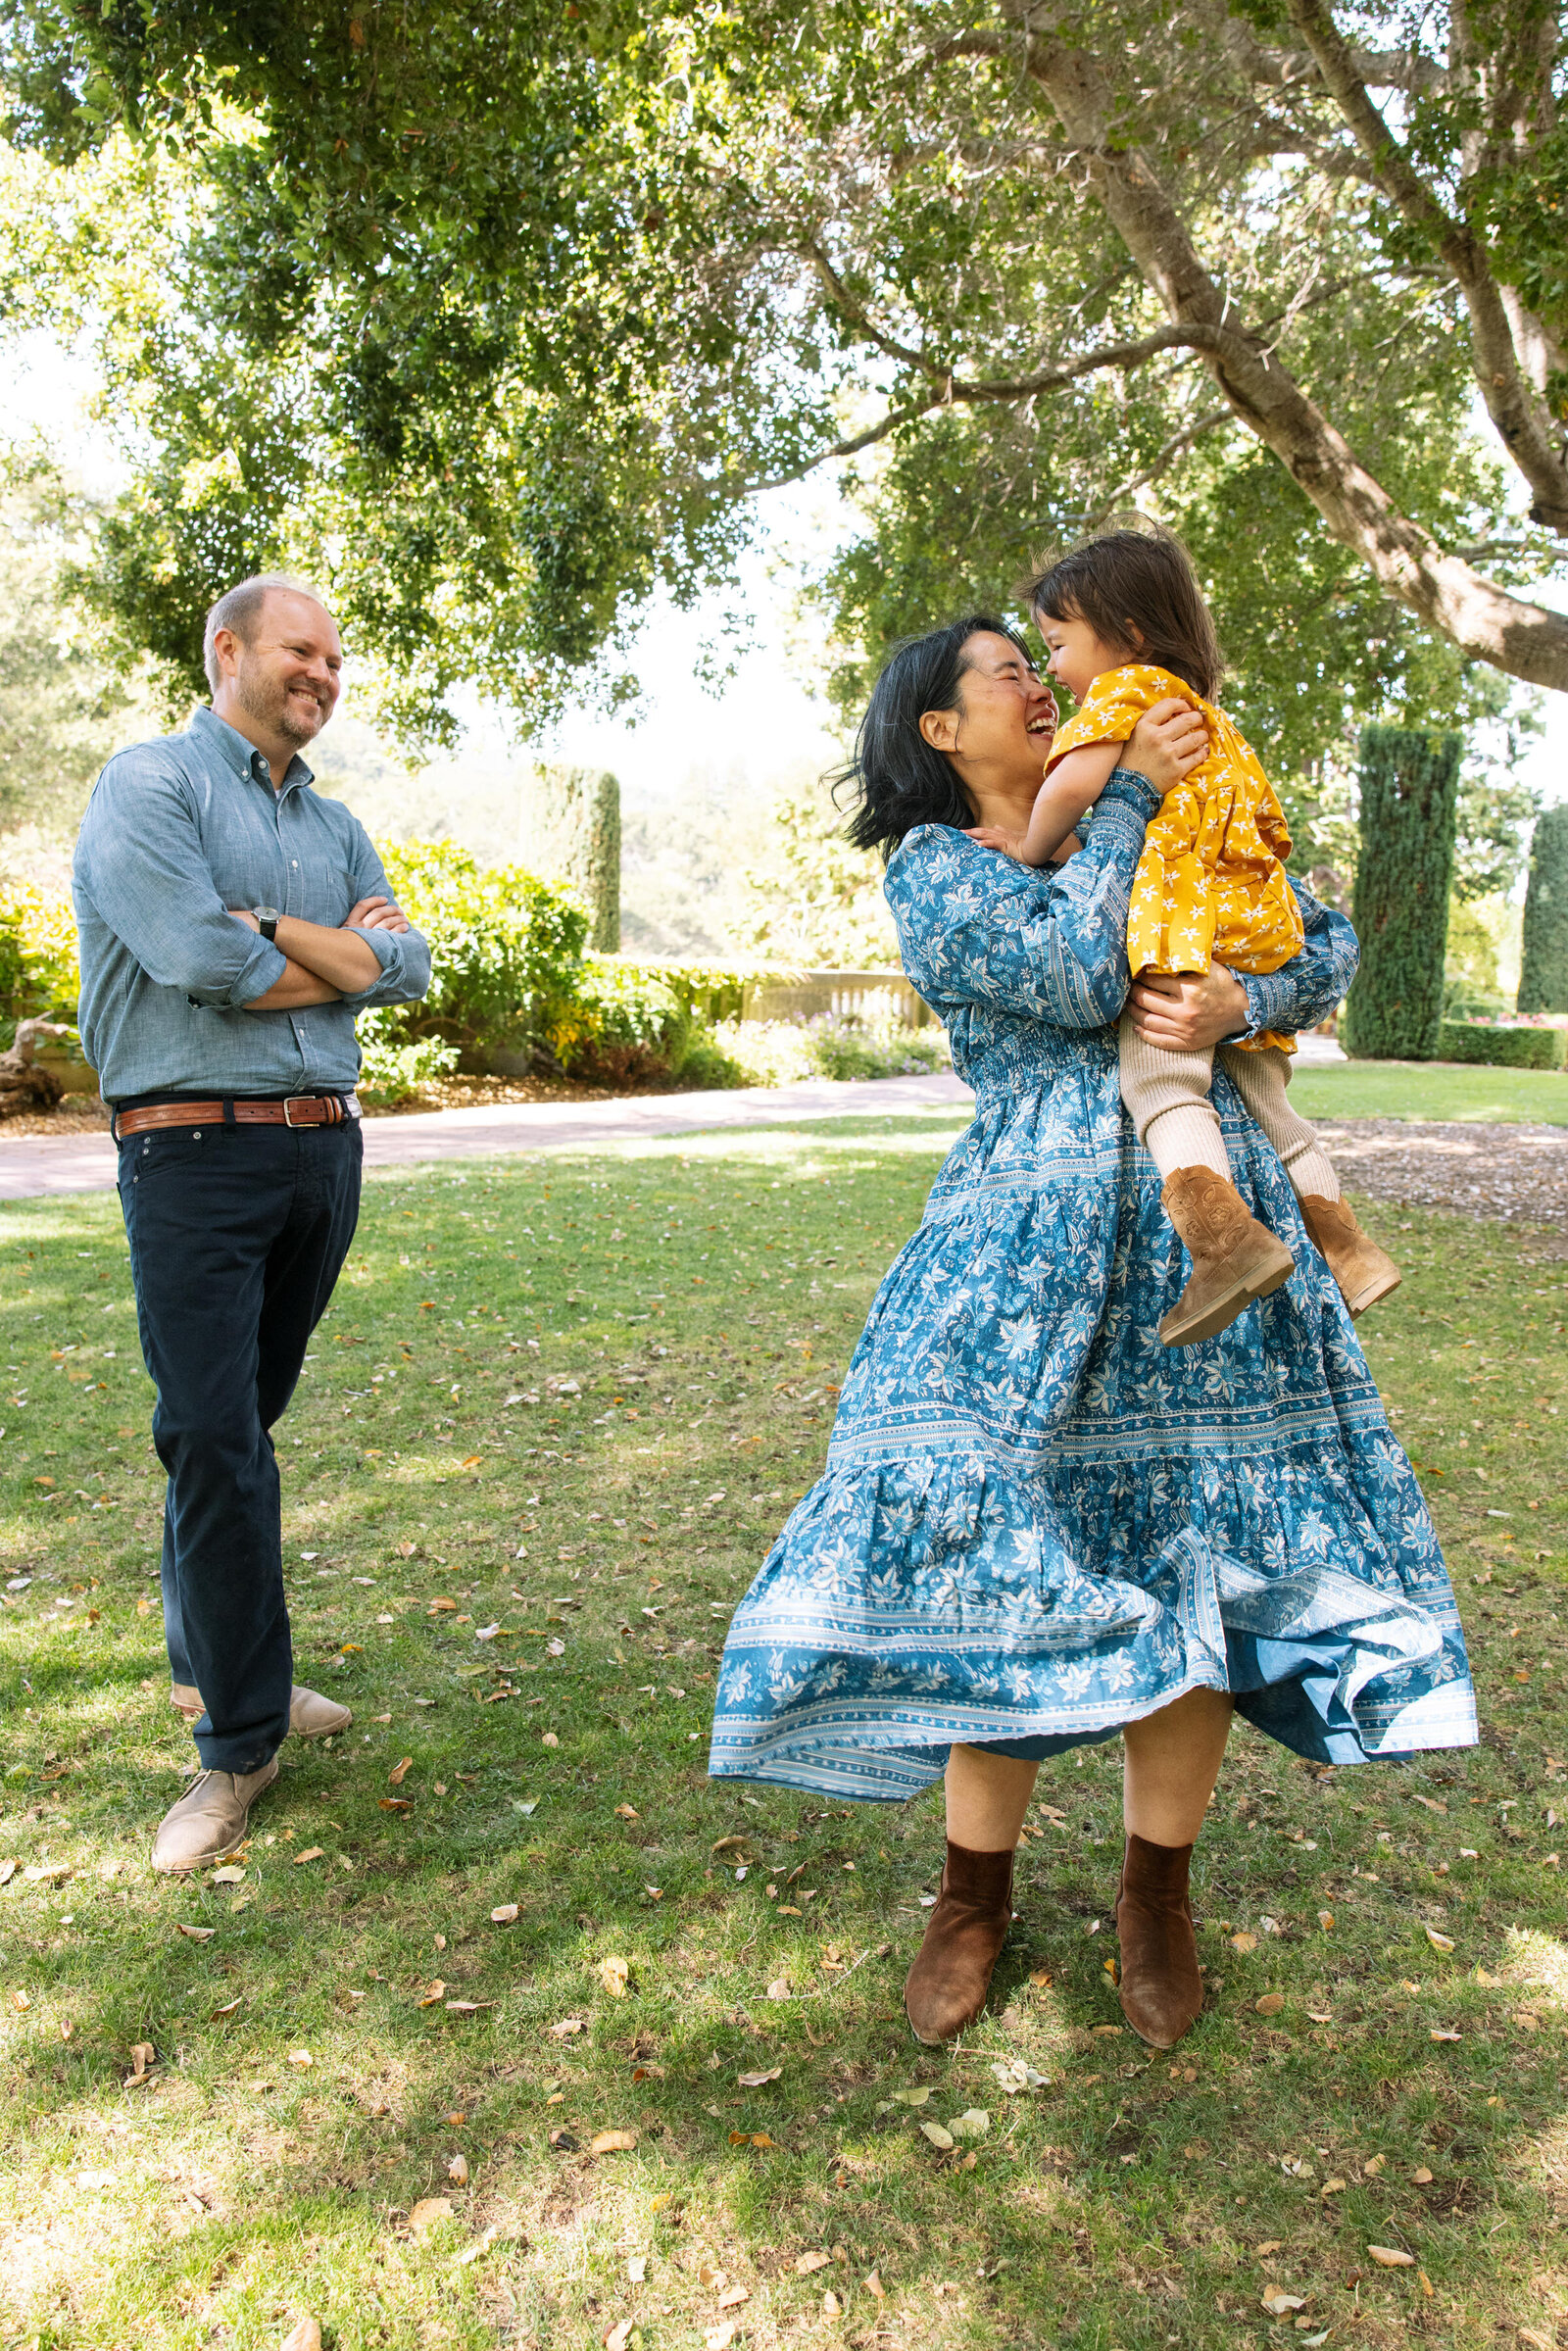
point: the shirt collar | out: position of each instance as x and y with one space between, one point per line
242 755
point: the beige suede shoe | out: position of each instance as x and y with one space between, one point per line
309 1715
210 1820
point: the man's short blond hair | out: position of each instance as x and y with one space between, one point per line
239 608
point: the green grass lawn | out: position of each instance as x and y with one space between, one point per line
1431 1089
551 1425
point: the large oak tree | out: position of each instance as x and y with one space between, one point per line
500 314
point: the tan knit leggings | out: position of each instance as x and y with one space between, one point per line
1167 1099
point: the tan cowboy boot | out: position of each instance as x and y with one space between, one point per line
1235 1258
1362 1270
210 1819
945 1988
1162 1989
309 1715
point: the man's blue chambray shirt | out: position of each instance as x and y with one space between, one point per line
177 831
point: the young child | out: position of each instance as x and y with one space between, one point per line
1127 626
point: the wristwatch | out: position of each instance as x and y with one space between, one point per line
266 921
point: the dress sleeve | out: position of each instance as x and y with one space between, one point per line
1109 712
1306 989
975 927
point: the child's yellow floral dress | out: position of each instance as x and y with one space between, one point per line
1211 883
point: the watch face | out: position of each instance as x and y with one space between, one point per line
265 913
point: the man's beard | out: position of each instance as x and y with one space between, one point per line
268 705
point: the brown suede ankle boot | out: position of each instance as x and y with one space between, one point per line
1235 1258
1162 1989
945 1989
1362 1270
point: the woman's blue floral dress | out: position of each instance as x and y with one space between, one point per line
1037 1522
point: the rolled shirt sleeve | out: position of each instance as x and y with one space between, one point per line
140 858
404 955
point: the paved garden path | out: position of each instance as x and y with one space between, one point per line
34 1167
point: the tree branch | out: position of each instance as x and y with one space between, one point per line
1512 401
1525 640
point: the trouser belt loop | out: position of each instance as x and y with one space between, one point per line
229 1110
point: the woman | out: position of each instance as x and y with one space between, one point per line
1038 1526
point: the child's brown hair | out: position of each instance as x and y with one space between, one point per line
1137 591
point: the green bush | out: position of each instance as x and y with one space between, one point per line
394 1073
1544 964
37 955
1502 1049
847 1049
506 950
627 1024
1409 787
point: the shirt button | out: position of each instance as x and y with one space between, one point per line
294 862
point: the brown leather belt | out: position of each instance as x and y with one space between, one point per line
299 1111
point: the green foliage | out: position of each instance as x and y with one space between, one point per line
1543 966
573 831
1500 1049
391 1074
496 319
849 1049
817 903
506 949
627 1025
1408 784
37 954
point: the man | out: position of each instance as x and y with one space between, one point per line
233 925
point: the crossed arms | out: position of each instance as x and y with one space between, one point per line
320 964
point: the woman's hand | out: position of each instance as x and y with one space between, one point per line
1188 1012
1168 741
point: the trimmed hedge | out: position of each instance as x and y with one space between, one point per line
1409 787
1502 1049
1544 964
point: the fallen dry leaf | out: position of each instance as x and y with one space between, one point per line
619 2335
613 1975
762 2075
1430 1803
306 2336
779 1989
1421 2176
1440 1943
807 2263
142 2055
229 1874
875 2288
637 2269
1333 2187
301 2057
719 2338
733 2296
1277 2304
1271 2003
438 1991
567 2026
468 2007
1244 1943
1435 2035
400 1772
458 2171
613 2142
974 2123
626 1812
503 1915
1390 2257
937 2135
428 2213
311 1853
549 1740
228 2008
914 2097
197 1935
1373 2164
832 2307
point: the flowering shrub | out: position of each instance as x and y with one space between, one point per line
629 1024
782 1052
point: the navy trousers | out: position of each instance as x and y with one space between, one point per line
237 1235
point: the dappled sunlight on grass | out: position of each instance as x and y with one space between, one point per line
558 1575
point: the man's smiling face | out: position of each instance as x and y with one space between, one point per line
288 678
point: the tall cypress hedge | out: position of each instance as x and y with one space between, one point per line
569 831
1544 965
1410 785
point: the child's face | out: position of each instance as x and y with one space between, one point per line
1077 656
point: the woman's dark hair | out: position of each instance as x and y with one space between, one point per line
1135 580
896 779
